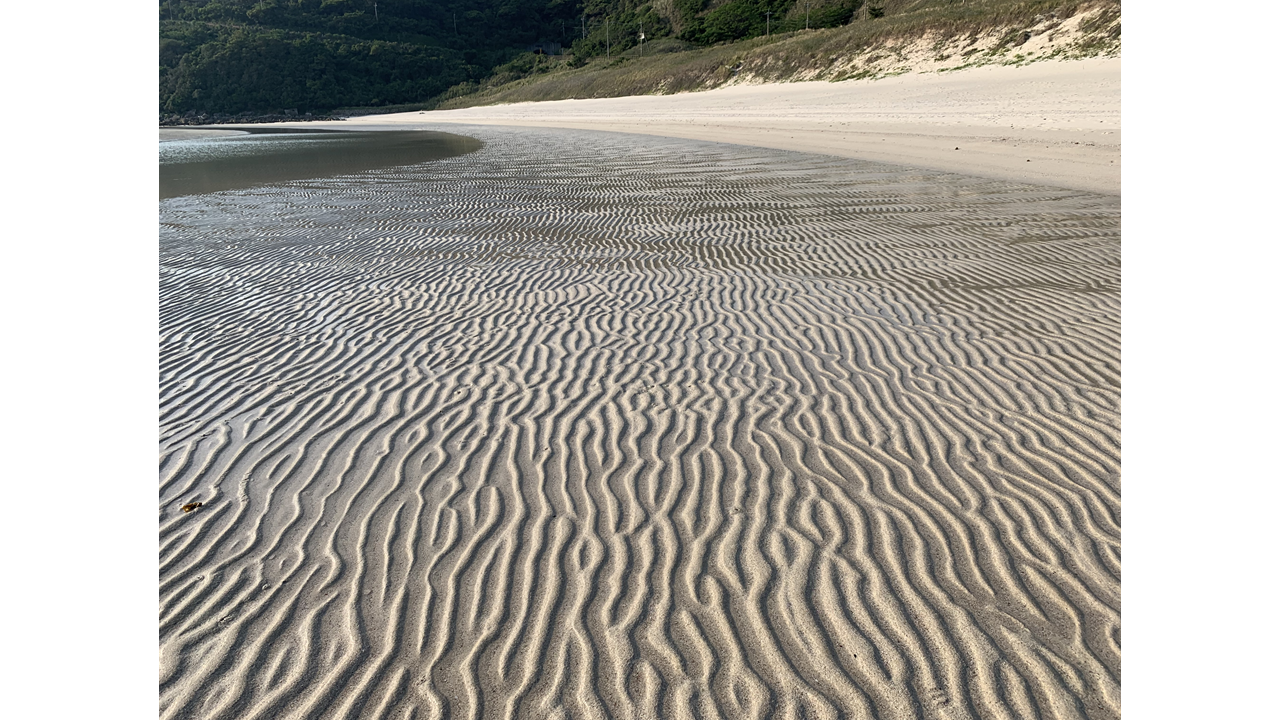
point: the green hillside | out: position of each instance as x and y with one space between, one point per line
263 56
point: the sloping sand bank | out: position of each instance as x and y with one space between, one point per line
590 425
1052 123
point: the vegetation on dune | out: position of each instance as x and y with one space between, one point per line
257 56
953 34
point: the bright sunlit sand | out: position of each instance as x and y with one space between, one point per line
1054 123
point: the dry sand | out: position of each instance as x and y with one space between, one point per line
589 425
1054 123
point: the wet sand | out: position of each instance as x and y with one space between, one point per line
179 134
595 425
208 161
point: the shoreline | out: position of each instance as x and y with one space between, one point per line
169 134
1051 123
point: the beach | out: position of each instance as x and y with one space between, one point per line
608 419
1054 123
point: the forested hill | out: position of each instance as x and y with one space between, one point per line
233 56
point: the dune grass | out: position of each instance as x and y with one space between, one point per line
670 66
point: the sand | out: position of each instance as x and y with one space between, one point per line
176 134
592 425
1053 123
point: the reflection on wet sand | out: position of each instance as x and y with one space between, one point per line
207 163
588 425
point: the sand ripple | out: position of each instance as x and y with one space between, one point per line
588 425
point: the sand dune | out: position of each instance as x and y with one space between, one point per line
585 425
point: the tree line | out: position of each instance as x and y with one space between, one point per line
231 56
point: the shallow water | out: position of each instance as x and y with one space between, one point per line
204 164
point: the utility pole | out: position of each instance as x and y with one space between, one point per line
766 23
606 37
584 26
455 24
806 16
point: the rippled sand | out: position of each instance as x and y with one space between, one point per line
590 425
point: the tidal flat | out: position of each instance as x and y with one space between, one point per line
591 425
195 161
